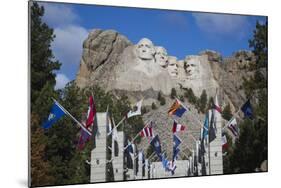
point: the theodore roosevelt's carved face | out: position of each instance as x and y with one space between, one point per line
145 49
161 56
172 66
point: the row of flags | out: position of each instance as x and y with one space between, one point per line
58 111
208 131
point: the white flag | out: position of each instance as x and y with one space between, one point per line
136 111
233 127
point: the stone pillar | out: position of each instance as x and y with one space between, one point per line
98 154
140 165
146 169
130 174
206 158
118 161
216 162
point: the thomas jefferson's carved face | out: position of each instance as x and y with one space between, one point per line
161 56
172 66
145 49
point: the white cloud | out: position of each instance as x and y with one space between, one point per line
67 45
223 24
175 19
59 14
61 81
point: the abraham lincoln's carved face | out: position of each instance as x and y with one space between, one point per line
193 68
145 49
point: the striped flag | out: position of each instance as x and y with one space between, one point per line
177 127
233 127
147 132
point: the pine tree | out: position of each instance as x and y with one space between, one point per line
161 99
203 101
251 148
42 89
42 58
153 106
173 93
226 113
259 43
190 96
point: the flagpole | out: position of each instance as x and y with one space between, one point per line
193 137
137 135
208 140
117 125
63 109
153 153
200 123
236 113
187 147
149 157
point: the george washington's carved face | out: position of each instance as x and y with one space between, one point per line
161 56
145 49
172 66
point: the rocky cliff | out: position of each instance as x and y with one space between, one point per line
143 70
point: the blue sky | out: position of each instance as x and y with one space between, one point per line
181 33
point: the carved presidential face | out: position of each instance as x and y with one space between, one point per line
172 66
161 56
145 49
192 69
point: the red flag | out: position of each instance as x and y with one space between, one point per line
83 138
216 105
91 112
147 131
177 127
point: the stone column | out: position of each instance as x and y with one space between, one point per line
206 158
118 161
146 166
98 154
140 166
216 162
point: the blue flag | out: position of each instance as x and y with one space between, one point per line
177 141
129 151
55 114
177 109
175 153
247 109
130 148
176 150
206 126
165 162
155 143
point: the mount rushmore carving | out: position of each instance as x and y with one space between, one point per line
111 61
